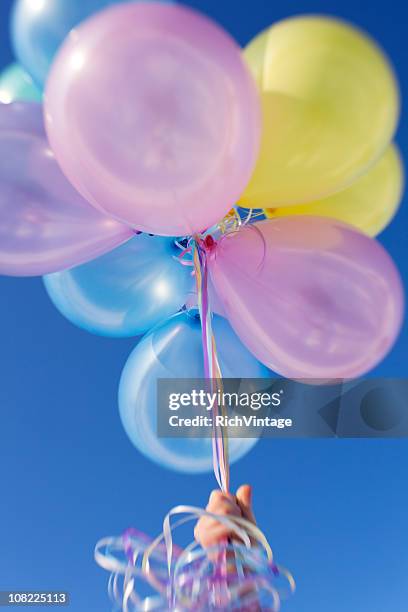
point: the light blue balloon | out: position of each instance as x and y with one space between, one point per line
174 350
40 26
16 85
126 291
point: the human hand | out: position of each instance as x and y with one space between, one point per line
210 532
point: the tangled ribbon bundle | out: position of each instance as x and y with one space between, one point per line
237 574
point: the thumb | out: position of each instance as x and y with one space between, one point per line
244 500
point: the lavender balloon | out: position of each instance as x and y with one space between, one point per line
154 117
22 117
45 225
310 297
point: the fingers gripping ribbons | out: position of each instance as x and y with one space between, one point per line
238 575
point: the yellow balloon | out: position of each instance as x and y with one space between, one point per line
369 203
330 105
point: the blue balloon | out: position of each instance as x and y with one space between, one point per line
126 291
174 350
40 26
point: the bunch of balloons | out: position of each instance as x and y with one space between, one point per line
155 127
154 124
178 132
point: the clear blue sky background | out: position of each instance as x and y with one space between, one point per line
334 510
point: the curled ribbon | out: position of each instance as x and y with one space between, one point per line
193 578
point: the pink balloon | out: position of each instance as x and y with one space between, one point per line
310 297
45 225
154 117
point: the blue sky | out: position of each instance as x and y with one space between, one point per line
334 510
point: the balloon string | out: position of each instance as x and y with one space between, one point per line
243 570
212 370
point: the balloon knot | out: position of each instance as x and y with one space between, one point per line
209 243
